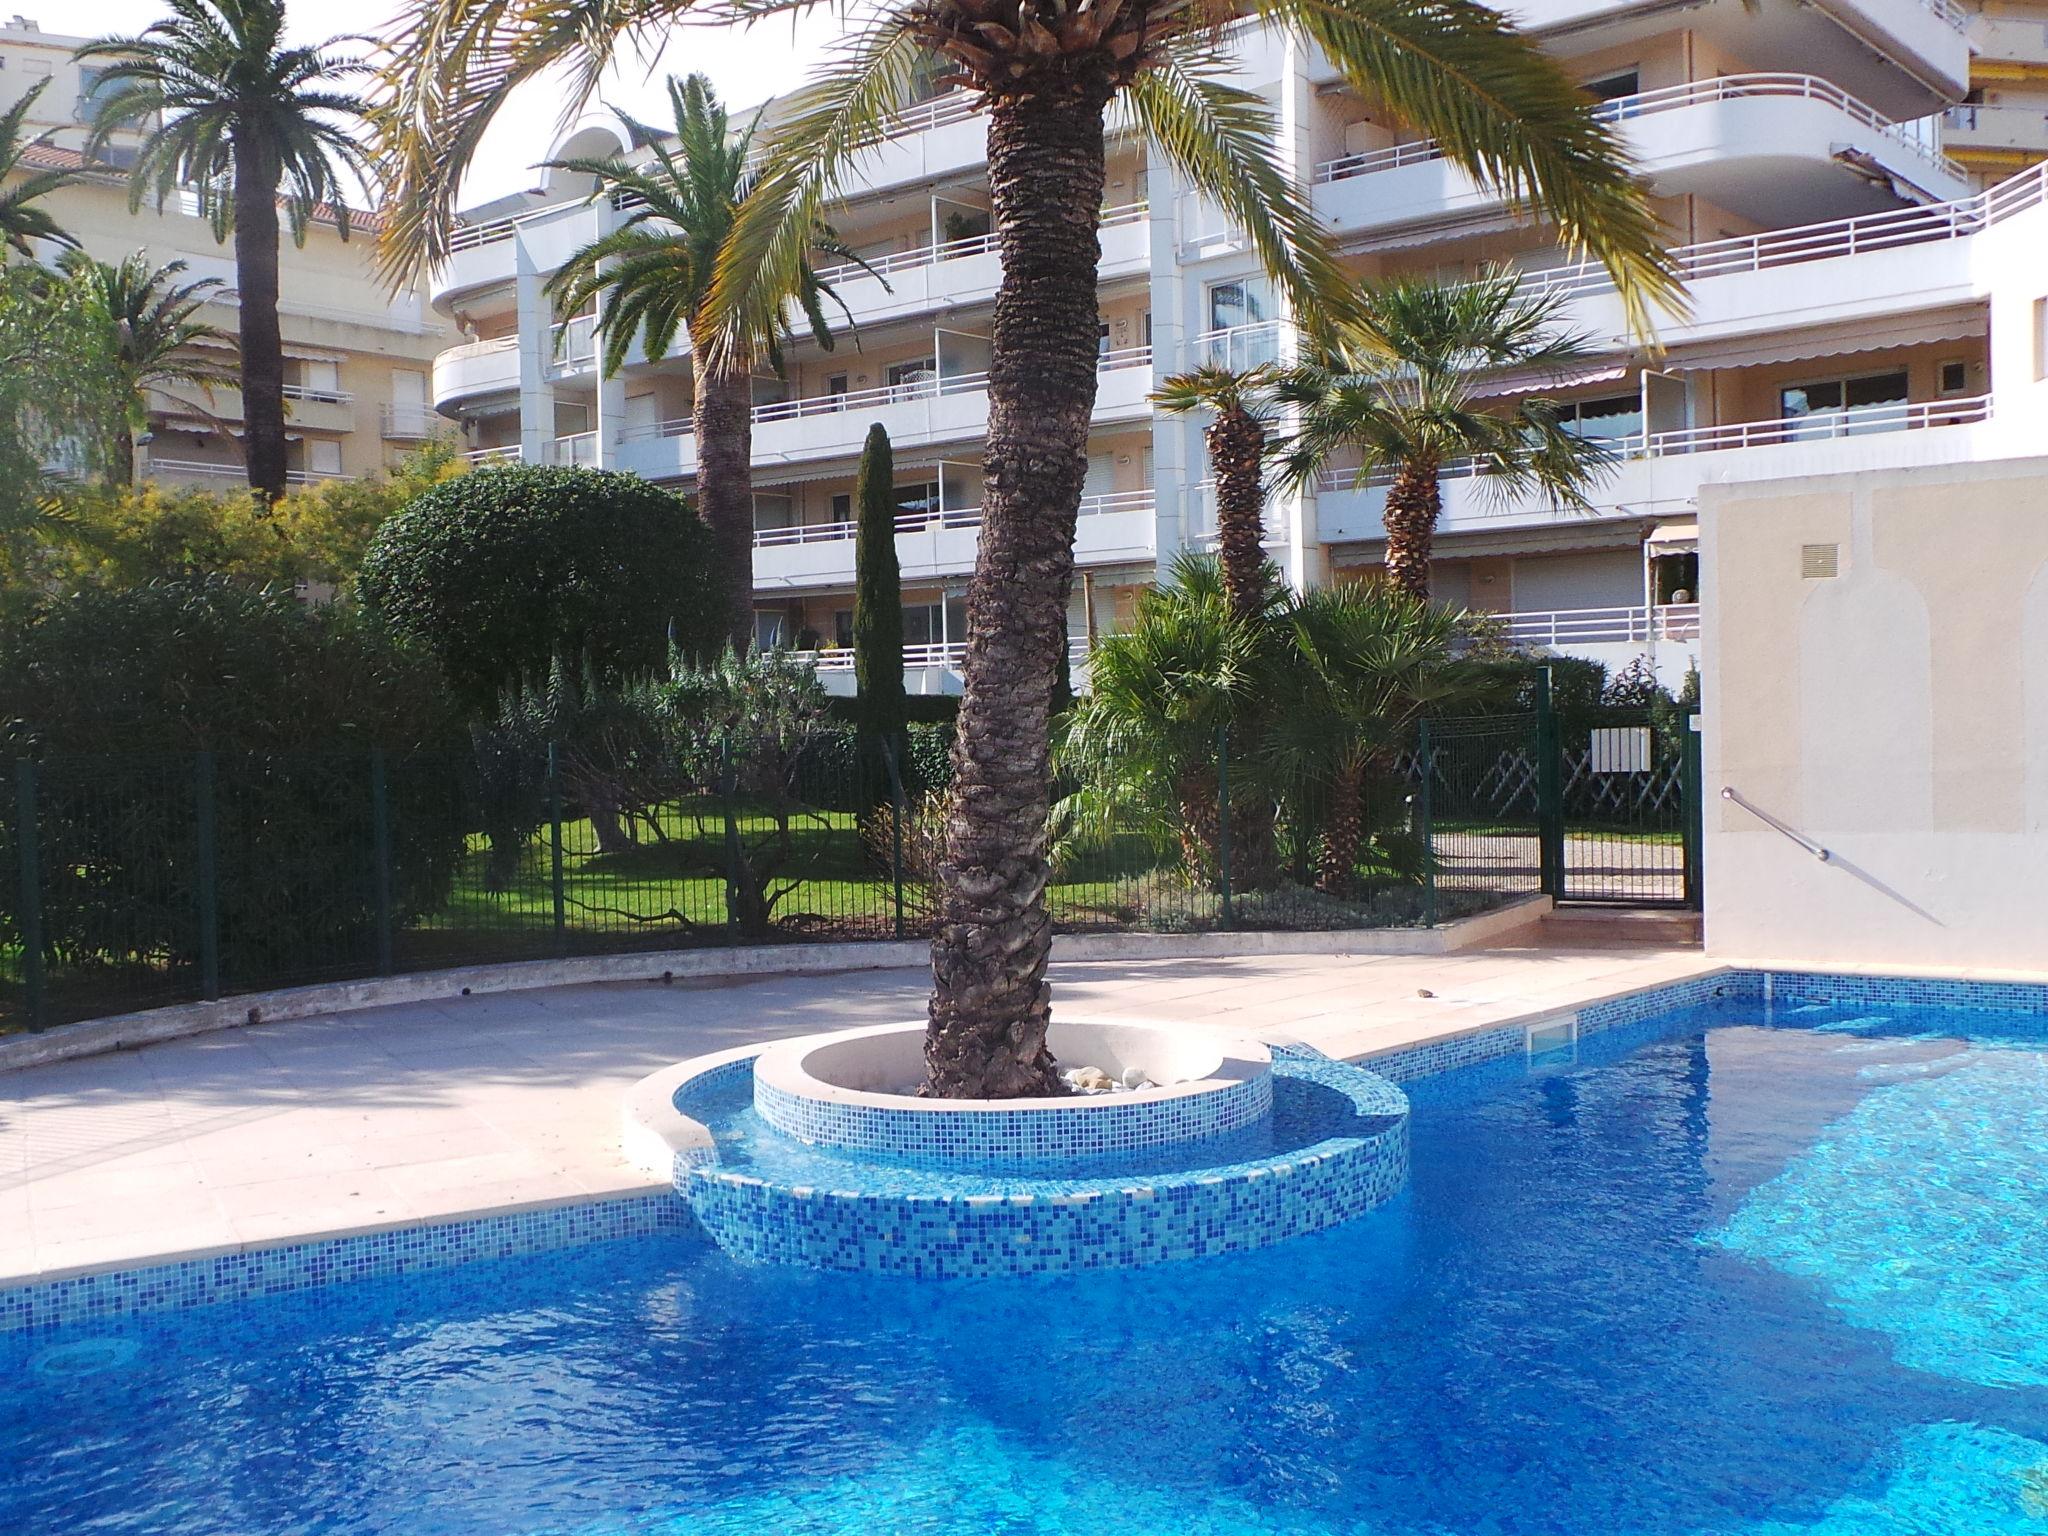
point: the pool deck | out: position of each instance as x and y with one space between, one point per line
426 1112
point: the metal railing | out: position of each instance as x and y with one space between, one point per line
509 453
1931 222
950 654
317 395
1818 426
937 520
954 250
1598 626
1239 346
576 448
926 386
205 470
1668 98
1735 797
408 420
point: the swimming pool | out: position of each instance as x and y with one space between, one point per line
1737 1270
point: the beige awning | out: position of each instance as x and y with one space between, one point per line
1673 539
1530 381
1959 323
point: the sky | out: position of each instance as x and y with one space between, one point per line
747 65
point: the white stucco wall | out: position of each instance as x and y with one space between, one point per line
1896 713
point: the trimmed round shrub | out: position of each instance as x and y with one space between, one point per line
500 572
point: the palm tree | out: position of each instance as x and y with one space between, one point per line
654 273
1408 394
154 341
1362 663
1048 71
1241 401
21 221
1162 695
246 123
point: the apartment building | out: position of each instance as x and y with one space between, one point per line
1856 302
2001 126
358 362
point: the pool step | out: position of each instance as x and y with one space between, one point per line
1620 928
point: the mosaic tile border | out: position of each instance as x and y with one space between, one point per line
288 1267
1780 986
1090 1127
1225 1209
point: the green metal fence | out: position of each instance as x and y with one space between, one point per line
131 882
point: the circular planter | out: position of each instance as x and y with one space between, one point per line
855 1090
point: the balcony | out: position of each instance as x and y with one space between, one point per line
201 469
1664 470
927 669
411 422
1789 137
931 409
476 371
1574 628
1989 135
509 453
1112 529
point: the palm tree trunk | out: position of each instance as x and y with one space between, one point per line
121 458
1413 502
722 416
1342 828
256 241
1237 444
990 1003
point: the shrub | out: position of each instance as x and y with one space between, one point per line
502 571
289 701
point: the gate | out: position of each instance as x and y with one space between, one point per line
1619 805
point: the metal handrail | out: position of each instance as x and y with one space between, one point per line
1734 797
949 518
1666 99
954 250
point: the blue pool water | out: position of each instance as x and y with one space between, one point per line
1710 1275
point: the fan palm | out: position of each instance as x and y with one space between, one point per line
246 123
654 274
21 189
1362 663
154 341
1241 405
1162 696
1048 72
1408 395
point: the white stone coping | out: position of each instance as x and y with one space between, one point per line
850 1066
654 1133
94 1037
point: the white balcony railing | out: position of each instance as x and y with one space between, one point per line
1238 347
573 343
576 448
1929 222
936 521
926 386
952 654
1819 426
317 395
410 421
508 454
953 107
1669 99
954 250
206 470
1598 626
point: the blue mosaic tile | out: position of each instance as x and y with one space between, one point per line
935 1220
991 1135
287 1267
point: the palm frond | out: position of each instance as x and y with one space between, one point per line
1504 110
1221 139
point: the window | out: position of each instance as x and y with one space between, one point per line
1833 398
842 628
924 623
1613 87
323 458
920 498
408 387
908 375
1245 301
1605 417
767 631
1954 377
835 384
318 379
842 508
1101 337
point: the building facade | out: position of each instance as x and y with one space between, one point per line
1858 301
358 362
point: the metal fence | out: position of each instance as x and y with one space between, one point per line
132 882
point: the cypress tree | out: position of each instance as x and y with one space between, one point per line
878 614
